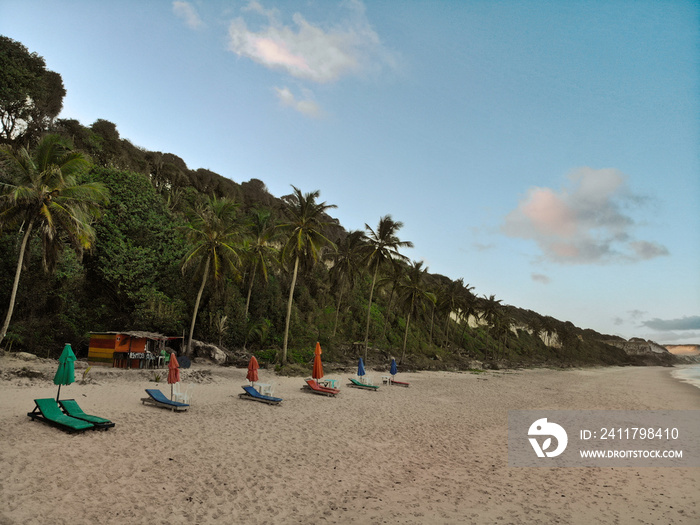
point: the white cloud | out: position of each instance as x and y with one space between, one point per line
187 12
540 278
306 107
583 223
307 51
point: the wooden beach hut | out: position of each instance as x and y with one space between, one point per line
128 349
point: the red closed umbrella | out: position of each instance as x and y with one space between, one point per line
173 373
252 375
317 372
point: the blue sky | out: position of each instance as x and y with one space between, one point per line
547 152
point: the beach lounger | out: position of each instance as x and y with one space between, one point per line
72 409
313 387
48 411
357 384
253 395
158 399
389 381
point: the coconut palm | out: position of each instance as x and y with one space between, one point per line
40 192
491 312
449 301
382 246
259 249
413 296
346 265
467 306
392 279
213 233
304 227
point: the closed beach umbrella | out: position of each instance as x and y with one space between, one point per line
360 368
252 375
173 373
317 372
393 369
65 375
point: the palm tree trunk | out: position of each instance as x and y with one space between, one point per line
405 338
464 328
250 290
15 285
369 309
447 330
283 357
388 311
196 305
432 319
337 311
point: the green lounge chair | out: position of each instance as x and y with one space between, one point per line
72 409
357 384
48 411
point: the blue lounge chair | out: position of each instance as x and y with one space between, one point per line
47 410
158 399
253 395
72 409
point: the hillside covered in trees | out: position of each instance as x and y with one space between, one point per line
98 234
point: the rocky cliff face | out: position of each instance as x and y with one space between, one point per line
684 349
643 352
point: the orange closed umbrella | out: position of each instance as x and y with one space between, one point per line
318 365
252 375
173 373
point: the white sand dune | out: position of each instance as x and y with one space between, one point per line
432 453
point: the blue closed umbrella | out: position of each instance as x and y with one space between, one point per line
393 370
360 368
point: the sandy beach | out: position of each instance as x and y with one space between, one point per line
432 453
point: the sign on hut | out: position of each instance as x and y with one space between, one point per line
129 349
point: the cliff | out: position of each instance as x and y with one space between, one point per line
684 350
642 352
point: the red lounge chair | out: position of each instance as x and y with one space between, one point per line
400 383
315 388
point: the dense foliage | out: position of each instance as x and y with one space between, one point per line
179 250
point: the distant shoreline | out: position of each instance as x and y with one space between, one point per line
688 374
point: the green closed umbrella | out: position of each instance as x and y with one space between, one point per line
65 375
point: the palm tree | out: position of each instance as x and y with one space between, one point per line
383 245
413 296
449 303
213 232
467 306
346 265
392 278
491 312
259 248
41 192
305 225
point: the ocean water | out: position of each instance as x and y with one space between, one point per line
688 374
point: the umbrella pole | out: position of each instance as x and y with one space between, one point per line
58 393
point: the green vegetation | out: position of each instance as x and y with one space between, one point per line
181 251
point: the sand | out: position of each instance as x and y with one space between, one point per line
429 454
